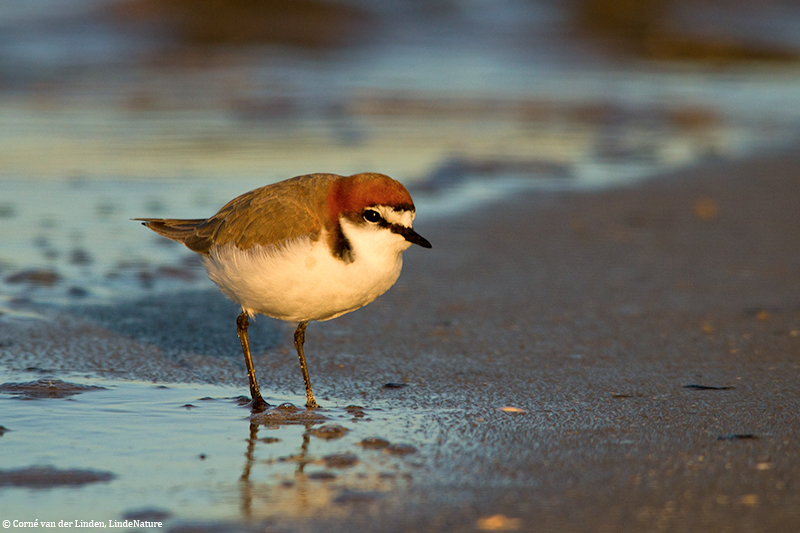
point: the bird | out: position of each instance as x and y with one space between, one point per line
309 248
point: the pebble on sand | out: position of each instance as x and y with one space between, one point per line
499 522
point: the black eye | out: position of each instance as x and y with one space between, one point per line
372 216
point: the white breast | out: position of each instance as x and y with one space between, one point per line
300 280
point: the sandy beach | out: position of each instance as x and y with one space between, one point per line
622 360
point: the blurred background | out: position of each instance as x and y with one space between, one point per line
111 109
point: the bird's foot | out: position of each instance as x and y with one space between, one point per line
311 403
258 404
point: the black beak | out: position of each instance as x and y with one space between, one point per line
413 237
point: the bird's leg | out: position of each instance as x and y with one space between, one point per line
299 339
242 322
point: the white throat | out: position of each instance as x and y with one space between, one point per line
375 244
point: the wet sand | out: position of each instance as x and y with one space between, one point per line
647 337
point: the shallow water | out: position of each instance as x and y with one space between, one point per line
69 238
192 453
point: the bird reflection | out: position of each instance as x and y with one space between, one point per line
301 460
292 489
283 417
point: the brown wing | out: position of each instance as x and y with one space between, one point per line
267 215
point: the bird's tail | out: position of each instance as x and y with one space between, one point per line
171 228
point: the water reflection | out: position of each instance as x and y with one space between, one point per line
251 490
323 472
190 453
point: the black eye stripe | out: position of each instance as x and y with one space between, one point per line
410 235
396 228
373 216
